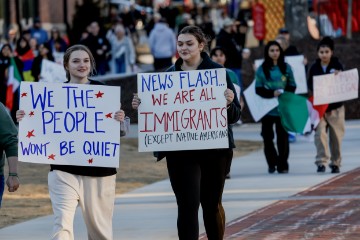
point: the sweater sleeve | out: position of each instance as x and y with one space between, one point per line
234 109
260 86
8 133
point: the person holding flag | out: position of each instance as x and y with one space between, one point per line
330 130
274 77
10 74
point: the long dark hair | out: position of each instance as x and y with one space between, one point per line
268 62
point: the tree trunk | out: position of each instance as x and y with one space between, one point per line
296 12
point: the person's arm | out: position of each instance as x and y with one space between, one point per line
12 181
260 87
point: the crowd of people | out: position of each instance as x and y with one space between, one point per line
196 176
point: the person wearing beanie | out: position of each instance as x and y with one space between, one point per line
330 131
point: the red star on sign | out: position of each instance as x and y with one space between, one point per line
108 115
52 156
24 94
31 113
30 134
99 94
90 161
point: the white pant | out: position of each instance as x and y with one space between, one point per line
95 195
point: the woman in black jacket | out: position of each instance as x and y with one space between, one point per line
330 130
198 176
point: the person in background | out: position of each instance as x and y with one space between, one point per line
122 51
44 53
99 46
38 32
93 188
9 98
226 40
26 55
9 146
274 77
55 37
162 48
330 131
198 176
218 55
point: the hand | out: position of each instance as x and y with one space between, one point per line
336 72
136 101
13 183
229 95
278 92
20 114
119 116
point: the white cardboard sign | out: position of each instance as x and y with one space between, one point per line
69 124
331 88
182 110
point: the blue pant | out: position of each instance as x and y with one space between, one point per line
2 186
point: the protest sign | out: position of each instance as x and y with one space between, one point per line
331 88
69 124
52 72
258 106
298 69
183 110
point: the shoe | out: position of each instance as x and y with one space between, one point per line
228 176
283 171
335 169
272 169
321 169
292 138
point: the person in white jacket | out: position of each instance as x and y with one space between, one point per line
122 51
162 44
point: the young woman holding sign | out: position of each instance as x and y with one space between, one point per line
331 127
274 77
198 176
91 187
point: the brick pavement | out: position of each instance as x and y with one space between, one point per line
330 210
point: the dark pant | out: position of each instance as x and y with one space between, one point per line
198 177
162 63
275 158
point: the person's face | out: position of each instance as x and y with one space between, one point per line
79 65
6 51
23 43
188 47
219 57
94 28
274 52
43 50
325 54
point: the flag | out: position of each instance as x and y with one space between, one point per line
28 59
316 112
294 114
13 83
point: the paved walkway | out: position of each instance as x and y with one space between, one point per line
298 205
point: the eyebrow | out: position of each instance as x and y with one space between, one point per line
186 41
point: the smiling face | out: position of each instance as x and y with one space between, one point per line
79 66
189 47
274 52
325 54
